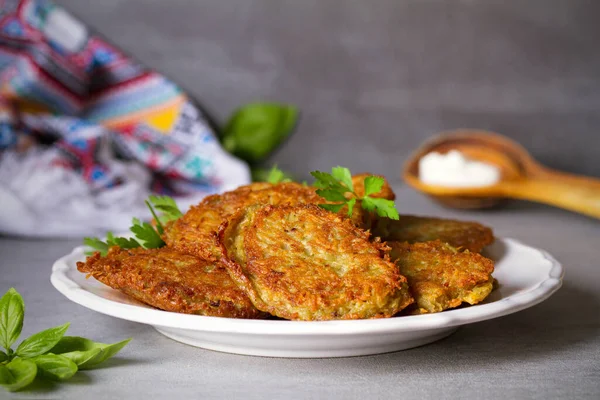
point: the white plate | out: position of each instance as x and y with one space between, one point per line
526 275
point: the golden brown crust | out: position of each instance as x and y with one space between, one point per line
414 229
171 281
304 263
441 277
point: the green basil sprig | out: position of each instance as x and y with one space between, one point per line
256 129
85 352
47 354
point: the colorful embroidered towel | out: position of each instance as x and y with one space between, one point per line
86 133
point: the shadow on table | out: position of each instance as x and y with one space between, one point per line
46 385
81 378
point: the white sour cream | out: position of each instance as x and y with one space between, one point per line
453 169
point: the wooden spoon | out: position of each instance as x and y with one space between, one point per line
522 177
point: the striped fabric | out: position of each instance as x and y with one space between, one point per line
62 86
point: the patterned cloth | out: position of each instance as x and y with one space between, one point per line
69 101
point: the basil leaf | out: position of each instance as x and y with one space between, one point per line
82 357
54 366
373 184
41 342
78 349
12 310
256 129
17 374
3 356
343 175
5 375
86 353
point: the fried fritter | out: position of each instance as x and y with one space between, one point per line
304 263
386 192
441 277
195 232
171 281
413 229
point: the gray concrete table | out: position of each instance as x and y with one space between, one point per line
549 351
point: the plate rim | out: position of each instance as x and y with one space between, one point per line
150 316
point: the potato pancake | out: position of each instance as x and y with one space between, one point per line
171 281
305 263
462 235
440 276
195 232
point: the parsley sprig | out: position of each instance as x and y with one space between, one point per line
277 176
337 187
145 235
47 354
167 206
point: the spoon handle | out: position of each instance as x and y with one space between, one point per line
572 192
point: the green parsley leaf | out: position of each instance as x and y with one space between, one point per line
168 207
383 207
125 243
332 195
111 240
373 184
351 204
146 234
159 226
12 311
335 186
17 374
95 244
41 342
272 175
276 176
343 175
332 207
327 181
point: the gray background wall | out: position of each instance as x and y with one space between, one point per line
374 78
